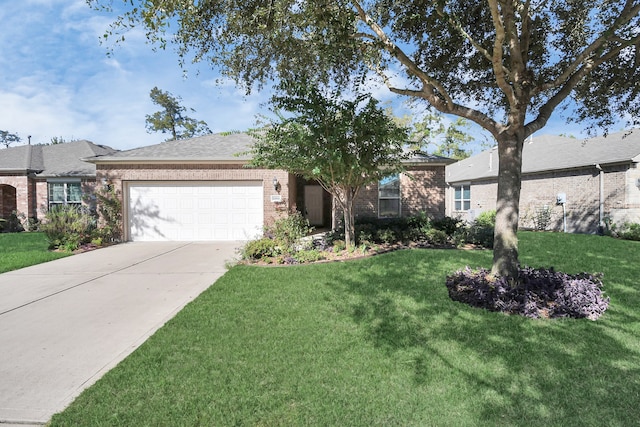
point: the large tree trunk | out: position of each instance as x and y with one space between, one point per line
505 247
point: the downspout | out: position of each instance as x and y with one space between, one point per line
601 196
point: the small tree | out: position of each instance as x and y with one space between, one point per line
8 138
342 144
172 118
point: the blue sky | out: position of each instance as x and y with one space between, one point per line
56 80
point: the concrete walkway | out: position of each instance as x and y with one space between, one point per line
65 323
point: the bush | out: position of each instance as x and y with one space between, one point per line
339 245
537 293
436 237
486 219
387 236
13 224
311 255
447 224
629 231
481 235
259 249
289 229
110 213
542 218
67 227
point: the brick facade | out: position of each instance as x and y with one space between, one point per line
422 189
582 189
16 192
122 174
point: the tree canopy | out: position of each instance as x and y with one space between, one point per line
172 119
343 144
506 65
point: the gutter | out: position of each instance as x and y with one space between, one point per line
157 161
601 196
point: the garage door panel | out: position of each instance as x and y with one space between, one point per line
195 211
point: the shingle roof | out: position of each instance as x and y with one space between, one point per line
52 160
547 152
417 157
15 158
212 147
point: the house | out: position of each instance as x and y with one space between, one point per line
35 177
576 184
202 189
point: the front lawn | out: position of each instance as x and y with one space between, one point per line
378 342
19 250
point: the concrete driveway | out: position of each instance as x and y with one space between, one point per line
65 323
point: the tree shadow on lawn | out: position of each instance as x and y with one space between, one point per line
502 370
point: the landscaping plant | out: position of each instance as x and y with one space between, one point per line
537 293
110 215
67 227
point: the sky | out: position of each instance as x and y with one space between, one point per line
57 80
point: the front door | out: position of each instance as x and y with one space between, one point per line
313 207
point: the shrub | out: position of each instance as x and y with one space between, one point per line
537 293
339 245
542 218
110 214
629 231
481 235
13 224
289 229
436 237
386 235
311 255
447 224
486 219
67 227
259 249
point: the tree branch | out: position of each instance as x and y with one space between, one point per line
547 109
458 26
496 60
399 54
626 15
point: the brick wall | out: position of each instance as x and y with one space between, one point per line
582 189
21 202
119 175
422 189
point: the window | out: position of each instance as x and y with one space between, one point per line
462 198
64 193
389 197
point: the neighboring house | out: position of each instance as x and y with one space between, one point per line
581 183
202 189
35 177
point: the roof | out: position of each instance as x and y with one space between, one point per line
221 147
58 160
418 157
548 152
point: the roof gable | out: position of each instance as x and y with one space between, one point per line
549 152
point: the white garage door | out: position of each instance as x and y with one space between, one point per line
220 210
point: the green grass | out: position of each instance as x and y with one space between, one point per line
378 342
19 250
